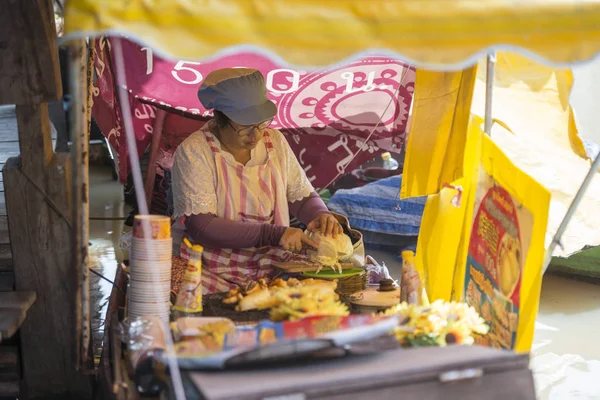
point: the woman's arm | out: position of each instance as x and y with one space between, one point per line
211 231
309 208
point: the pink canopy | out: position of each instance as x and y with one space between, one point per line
326 115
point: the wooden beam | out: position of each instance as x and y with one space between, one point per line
38 202
7 281
9 355
40 234
29 68
9 389
35 140
10 321
156 137
4 237
6 261
80 68
13 309
21 300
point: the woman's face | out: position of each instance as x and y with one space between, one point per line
244 136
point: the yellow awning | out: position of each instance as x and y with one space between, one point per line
427 33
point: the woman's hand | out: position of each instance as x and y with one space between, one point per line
294 239
327 224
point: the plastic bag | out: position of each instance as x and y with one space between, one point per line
376 271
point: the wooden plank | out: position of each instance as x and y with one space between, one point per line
35 141
10 146
3 212
7 281
9 355
4 237
11 320
43 264
81 81
29 68
9 376
9 389
6 260
5 155
20 300
9 133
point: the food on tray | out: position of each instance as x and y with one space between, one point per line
260 296
255 296
258 300
198 326
331 251
509 260
203 333
301 302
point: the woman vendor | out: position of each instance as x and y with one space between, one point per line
236 181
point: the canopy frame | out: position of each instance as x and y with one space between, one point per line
587 180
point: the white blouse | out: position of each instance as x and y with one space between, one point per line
194 173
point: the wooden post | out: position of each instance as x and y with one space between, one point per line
38 201
156 137
80 73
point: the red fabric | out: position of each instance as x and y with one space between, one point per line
330 111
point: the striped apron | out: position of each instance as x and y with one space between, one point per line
255 194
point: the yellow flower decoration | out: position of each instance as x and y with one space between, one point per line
439 324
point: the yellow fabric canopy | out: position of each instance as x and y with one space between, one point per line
431 33
438 132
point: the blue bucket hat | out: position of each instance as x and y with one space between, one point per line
239 93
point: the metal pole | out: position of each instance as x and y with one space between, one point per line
571 211
489 87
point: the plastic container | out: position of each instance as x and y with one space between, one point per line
412 284
389 162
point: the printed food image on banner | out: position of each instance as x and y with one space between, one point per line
498 246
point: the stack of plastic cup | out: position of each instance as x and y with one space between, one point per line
150 262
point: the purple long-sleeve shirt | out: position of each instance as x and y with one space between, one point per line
212 231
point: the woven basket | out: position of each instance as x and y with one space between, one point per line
346 287
352 284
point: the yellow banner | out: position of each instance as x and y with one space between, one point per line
502 248
442 226
482 241
436 143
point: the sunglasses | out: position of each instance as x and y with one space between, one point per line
247 130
